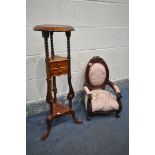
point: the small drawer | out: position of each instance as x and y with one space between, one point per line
59 64
59 71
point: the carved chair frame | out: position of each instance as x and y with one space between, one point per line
90 87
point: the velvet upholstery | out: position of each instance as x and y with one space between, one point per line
97 74
102 100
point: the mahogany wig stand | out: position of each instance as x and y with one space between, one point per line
56 66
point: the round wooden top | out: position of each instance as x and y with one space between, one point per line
53 28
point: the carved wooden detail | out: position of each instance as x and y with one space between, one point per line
96 59
88 84
57 66
52 46
71 93
53 28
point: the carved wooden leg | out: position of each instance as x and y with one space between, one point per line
89 109
48 122
70 97
120 109
54 89
49 97
75 120
117 114
71 93
88 116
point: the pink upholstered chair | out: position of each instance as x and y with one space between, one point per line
97 99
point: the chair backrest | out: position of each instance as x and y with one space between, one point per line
97 73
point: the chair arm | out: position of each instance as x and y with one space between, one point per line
88 93
89 97
86 90
116 89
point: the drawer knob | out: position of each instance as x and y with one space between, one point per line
59 65
60 71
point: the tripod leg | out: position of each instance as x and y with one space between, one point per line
75 120
45 135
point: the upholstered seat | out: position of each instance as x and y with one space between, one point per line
102 100
97 99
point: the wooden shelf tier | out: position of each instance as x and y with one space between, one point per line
57 58
60 109
53 28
